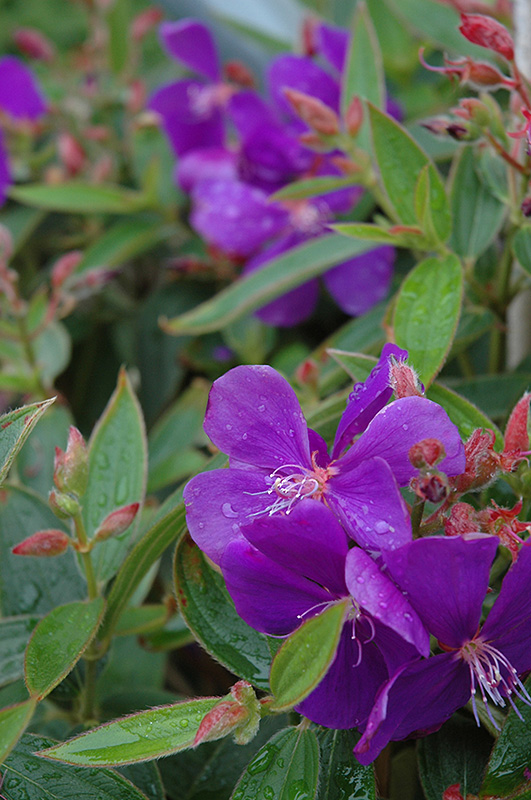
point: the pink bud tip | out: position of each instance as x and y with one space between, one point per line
404 379
516 432
220 721
426 453
313 111
44 543
34 44
64 267
354 116
71 153
144 22
117 522
489 33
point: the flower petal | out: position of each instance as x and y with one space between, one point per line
303 74
399 426
366 399
207 163
270 598
191 43
379 596
446 580
253 415
309 541
190 123
20 96
333 43
420 697
367 500
344 697
359 283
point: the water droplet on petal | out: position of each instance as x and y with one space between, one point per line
360 579
381 526
228 511
383 605
408 616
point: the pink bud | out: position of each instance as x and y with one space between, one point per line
487 32
34 44
354 116
313 111
102 169
44 543
426 453
239 716
516 432
452 792
236 72
71 153
463 519
144 22
404 379
116 522
136 99
71 466
308 372
63 505
64 267
482 462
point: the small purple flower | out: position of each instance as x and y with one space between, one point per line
446 580
276 462
287 569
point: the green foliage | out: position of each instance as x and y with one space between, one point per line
15 428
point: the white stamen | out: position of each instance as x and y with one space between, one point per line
288 488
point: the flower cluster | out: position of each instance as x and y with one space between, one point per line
231 178
295 530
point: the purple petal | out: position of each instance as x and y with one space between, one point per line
219 503
190 115
270 598
254 416
333 43
318 448
366 399
309 541
270 158
394 649
341 200
20 96
234 217
508 624
250 112
419 698
399 426
190 42
379 596
5 172
446 580
367 500
301 73
394 109
206 164
344 697
359 283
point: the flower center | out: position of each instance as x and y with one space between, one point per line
494 674
294 486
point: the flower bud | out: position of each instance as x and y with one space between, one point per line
144 22
463 519
34 44
432 487
426 453
316 114
239 716
64 267
354 116
308 373
482 463
71 466
516 432
236 72
71 153
404 380
489 33
44 543
116 522
453 792
136 98
63 505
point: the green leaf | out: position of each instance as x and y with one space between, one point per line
117 473
457 753
137 737
118 24
427 312
370 233
15 427
304 658
34 778
58 642
476 214
13 721
53 349
522 247
21 222
311 187
297 266
495 395
81 198
400 160
210 614
363 76
462 412
34 463
123 241
341 777
28 584
286 768
142 619
14 635
146 777
145 553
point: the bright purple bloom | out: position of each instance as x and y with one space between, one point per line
276 462
303 74
446 580
191 43
290 568
20 97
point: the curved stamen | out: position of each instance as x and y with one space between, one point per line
289 488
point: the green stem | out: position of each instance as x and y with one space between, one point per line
498 334
92 653
86 559
416 516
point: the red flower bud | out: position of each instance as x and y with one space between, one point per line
144 22
482 463
34 44
308 372
516 432
71 153
236 72
404 379
452 792
487 32
463 519
116 522
239 716
354 116
426 453
44 543
71 466
431 487
314 112
64 267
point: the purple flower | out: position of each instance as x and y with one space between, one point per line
276 462
289 568
446 580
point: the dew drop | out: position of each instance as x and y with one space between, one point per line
360 579
183 723
408 616
383 605
365 509
228 511
261 408
381 526
405 427
244 436
228 427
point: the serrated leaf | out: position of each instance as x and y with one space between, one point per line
400 160
15 427
28 584
522 247
122 241
14 635
297 266
117 473
427 312
137 737
13 721
341 777
27 775
210 614
304 658
78 197
58 642
476 214
286 768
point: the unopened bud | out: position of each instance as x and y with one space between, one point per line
453 792
71 466
426 453
144 22
136 98
239 716
482 462
431 487
473 109
316 114
64 267
116 522
489 33
480 74
71 153
63 505
34 44
462 520
404 380
308 372
236 72
354 116
44 543
457 131
516 432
